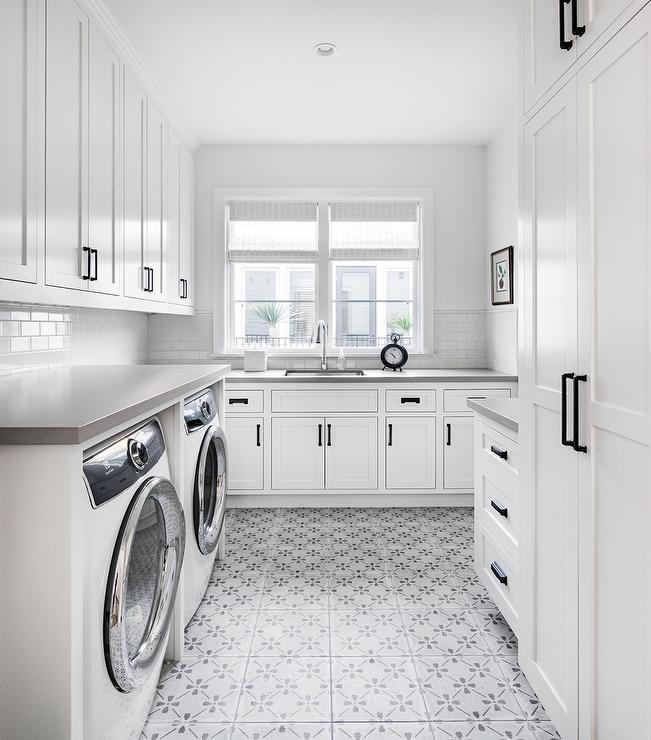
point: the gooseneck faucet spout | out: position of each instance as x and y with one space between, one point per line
321 337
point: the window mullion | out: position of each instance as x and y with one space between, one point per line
323 269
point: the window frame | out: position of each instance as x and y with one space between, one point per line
325 298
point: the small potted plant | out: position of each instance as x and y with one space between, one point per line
400 322
272 314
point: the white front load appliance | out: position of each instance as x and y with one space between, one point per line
134 542
204 495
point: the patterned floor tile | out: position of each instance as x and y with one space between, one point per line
496 632
286 690
467 688
495 731
291 632
443 632
362 632
187 731
238 591
435 589
524 694
198 691
382 731
288 731
368 590
308 590
376 689
216 632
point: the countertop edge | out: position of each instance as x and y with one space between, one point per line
485 410
62 435
261 377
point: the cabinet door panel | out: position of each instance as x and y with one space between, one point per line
297 458
186 225
103 170
174 289
135 153
18 38
614 141
411 452
156 195
458 452
351 453
245 453
597 16
66 199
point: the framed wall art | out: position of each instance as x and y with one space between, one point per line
502 276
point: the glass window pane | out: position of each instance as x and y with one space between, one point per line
370 324
272 324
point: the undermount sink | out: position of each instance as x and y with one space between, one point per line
334 373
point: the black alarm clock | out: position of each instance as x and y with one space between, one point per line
394 355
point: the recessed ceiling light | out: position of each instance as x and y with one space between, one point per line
325 49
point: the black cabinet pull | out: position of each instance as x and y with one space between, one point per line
499 573
503 454
320 436
564 44
257 435
578 379
94 255
564 438
410 400
501 510
390 442
87 275
183 293
576 29
232 401
448 439
476 398
329 435
149 274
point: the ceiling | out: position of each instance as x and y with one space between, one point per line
405 72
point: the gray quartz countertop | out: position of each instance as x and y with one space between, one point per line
447 375
505 411
69 405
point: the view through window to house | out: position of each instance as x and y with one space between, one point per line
371 258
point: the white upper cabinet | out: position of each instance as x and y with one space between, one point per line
19 173
179 222
156 222
66 168
595 16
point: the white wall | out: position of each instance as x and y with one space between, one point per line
502 231
455 174
43 336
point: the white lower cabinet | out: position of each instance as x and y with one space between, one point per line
297 460
411 452
245 453
458 452
351 453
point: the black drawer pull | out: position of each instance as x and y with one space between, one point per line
501 510
476 398
390 442
448 441
244 401
88 251
320 443
257 435
499 573
410 400
329 435
500 453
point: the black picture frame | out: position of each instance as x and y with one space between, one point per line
501 269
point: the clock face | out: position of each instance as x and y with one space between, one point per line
393 355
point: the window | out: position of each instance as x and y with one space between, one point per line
360 273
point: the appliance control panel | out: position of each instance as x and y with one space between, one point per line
200 411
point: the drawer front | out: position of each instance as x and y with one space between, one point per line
497 450
497 503
411 401
498 571
244 401
323 401
457 400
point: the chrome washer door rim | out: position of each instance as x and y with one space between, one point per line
207 533
126 671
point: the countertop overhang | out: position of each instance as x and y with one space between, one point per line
443 375
70 405
505 411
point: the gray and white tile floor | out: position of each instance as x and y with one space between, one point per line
347 624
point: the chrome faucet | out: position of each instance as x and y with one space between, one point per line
321 337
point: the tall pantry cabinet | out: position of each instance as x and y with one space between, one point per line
585 641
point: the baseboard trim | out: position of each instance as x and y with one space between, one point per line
333 500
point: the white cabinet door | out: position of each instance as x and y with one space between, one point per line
614 142
174 288
105 213
66 170
596 16
135 157
351 453
156 196
297 453
458 452
19 163
549 474
545 60
186 228
245 453
410 452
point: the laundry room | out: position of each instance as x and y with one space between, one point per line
325 370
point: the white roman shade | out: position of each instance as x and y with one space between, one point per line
272 231
375 230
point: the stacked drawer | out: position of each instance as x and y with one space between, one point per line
497 514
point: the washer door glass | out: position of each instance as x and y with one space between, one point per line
211 487
142 583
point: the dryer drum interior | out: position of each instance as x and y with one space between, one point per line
142 583
211 483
